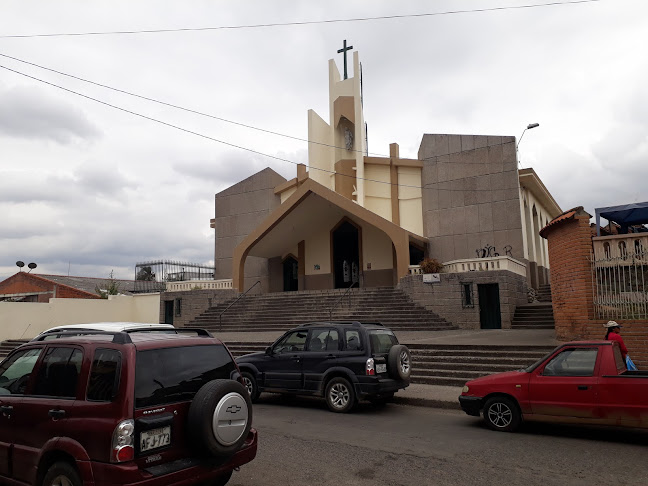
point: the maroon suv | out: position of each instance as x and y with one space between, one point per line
145 408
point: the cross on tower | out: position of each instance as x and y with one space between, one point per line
344 51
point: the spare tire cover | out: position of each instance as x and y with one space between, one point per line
399 362
220 418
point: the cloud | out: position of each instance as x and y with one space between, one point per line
28 112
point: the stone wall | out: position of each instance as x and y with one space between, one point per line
472 195
193 303
239 209
446 299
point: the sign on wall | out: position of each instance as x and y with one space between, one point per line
431 278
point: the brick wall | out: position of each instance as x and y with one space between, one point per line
193 303
570 244
446 300
24 283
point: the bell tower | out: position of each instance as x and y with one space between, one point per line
336 158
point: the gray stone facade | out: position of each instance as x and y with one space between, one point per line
239 209
192 303
446 298
471 196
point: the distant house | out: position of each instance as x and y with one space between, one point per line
30 287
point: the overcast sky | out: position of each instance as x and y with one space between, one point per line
88 189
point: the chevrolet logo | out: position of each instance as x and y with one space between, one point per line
233 409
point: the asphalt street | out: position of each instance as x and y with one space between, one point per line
302 443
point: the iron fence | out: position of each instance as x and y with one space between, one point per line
620 284
153 276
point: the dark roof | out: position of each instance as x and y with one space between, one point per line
88 284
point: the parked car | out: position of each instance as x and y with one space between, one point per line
579 382
118 408
341 361
109 327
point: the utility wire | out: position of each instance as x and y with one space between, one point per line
189 110
305 22
240 147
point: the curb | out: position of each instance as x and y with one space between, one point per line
427 402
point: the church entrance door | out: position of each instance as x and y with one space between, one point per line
346 255
290 274
490 316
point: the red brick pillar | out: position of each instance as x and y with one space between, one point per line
569 239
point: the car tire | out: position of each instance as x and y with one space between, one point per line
220 418
502 414
251 385
399 362
222 480
62 473
340 395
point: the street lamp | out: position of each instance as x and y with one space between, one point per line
529 127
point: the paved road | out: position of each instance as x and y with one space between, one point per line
304 444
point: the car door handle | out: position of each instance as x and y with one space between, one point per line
56 414
6 409
583 387
296 358
331 356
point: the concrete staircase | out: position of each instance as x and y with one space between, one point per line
447 364
7 346
544 293
282 311
538 315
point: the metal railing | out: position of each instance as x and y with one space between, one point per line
220 316
346 293
620 284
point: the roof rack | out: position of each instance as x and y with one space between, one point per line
120 337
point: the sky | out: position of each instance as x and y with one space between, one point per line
87 189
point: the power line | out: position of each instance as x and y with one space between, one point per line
301 23
189 110
229 144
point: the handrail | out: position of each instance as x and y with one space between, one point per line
220 316
342 297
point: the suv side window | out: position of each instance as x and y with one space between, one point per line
352 341
323 340
104 375
295 341
15 372
58 374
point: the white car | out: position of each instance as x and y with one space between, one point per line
107 327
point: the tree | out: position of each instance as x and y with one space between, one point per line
111 287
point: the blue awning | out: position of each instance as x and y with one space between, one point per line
625 215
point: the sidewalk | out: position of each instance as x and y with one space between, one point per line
433 396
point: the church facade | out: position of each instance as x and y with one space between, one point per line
354 218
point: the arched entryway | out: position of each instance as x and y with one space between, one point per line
346 254
290 274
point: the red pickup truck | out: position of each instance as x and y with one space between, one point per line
578 382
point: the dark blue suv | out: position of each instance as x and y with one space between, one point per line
341 361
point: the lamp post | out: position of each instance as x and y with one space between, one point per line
529 127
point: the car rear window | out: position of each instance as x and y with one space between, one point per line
381 341
171 375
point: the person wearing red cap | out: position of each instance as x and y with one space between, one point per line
614 334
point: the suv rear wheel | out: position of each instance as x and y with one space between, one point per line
62 474
340 396
220 417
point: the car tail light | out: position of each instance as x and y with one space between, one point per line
370 368
122 442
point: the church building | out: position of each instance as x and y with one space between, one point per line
350 218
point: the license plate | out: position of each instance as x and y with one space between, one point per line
381 368
152 439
